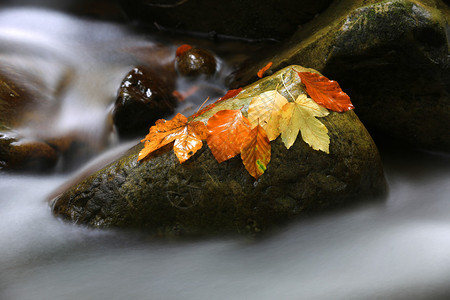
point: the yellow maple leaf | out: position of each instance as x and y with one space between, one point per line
264 110
301 115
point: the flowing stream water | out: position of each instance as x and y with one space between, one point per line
394 248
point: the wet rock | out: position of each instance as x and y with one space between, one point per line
195 62
202 196
390 56
246 19
144 96
24 99
26 155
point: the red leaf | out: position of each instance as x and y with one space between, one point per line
325 92
182 49
264 69
230 94
228 130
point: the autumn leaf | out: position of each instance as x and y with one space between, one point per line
187 137
301 115
264 110
228 130
182 49
326 92
255 153
230 94
189 141
264 69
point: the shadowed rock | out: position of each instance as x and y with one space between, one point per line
391 57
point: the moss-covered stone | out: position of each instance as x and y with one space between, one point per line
391 57
202 196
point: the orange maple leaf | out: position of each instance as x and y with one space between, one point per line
255 153
187 137
325 92
264 69
228 130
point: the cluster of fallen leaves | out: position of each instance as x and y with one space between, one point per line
229 133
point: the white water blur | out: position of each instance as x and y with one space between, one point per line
398 248
85 59
393 249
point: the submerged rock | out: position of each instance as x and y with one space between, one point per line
144 96
24 99
202 196
390 56
30 155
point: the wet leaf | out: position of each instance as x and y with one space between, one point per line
264 69
230 94
255 153
187 137
182 49
228 130
301 115
264 109
326 92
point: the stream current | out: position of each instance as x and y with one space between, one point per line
395 248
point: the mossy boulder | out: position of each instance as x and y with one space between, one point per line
202 196
391 57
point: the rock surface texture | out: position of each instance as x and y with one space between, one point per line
202 196
391 57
